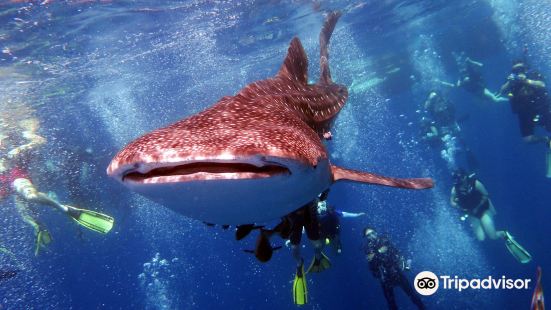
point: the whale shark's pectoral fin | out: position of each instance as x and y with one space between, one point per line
341 174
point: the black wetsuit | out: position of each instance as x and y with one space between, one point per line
529 102
469 201
387 267
330 223
292 224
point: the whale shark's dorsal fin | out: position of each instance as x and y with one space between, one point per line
295 65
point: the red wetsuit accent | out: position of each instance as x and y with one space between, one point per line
7 178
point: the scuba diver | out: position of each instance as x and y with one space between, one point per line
530 101
387 265
470 196
291 228
304 218
329 220
470 78
439 123
440 129
15 179
440 110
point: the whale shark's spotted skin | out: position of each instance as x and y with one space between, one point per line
252 157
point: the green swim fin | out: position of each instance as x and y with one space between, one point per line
92 220
43 238
516 249
319 265
300 291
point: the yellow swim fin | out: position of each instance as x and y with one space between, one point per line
319 265
300 291
92 220
516 249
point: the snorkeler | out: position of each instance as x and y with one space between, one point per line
15 179
470 78
329 221
387 264
471 197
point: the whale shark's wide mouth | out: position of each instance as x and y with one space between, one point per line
197 171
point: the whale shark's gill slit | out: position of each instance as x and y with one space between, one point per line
210 168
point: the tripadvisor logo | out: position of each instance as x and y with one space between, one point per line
427 283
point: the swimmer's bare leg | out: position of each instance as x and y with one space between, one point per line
28 191
26 214
43 237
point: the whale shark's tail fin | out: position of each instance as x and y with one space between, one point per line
325 34
295 65
342 174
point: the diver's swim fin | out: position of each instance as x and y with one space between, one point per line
43 238
319 265
92 220
300 291
516 249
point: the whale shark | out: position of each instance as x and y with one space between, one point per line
252 157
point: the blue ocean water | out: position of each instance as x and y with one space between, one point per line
100 73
